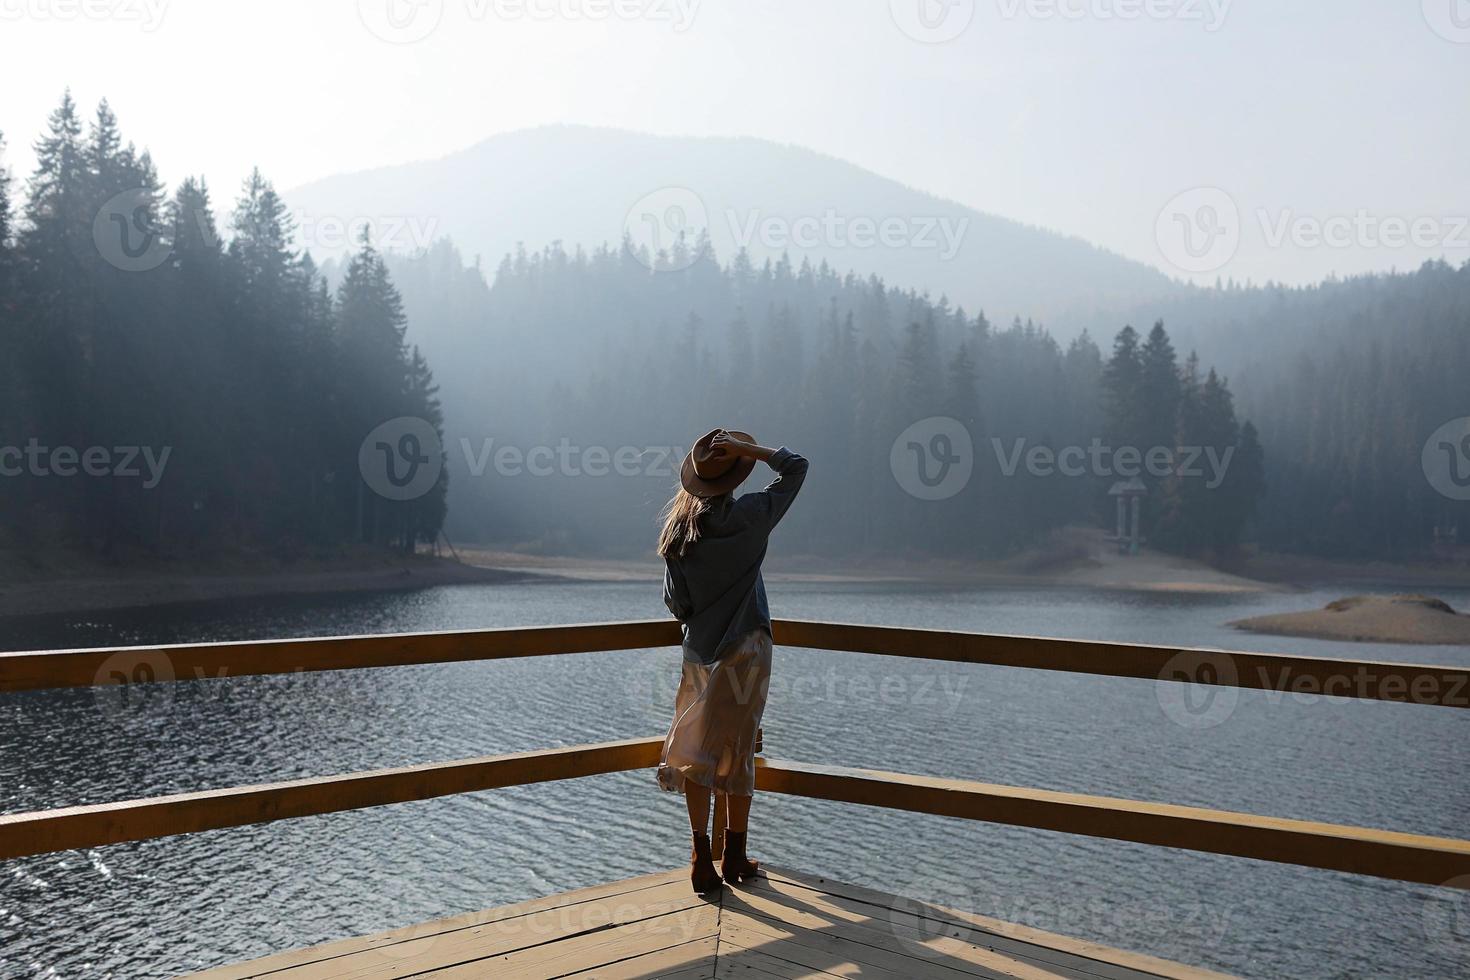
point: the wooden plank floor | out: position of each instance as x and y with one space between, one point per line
786 924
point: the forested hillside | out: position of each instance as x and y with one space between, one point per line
588 185
1346 380
572 350
177 383
1342 383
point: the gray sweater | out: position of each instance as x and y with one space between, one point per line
715 589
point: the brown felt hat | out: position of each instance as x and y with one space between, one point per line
705 474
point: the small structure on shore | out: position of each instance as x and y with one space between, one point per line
1129 494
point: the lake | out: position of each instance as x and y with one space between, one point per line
158 908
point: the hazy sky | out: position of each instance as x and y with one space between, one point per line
1302 120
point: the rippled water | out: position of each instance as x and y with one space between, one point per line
157 908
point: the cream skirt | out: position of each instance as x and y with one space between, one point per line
716 714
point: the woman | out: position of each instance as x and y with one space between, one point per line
712 545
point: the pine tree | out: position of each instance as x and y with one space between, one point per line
1083 369
1159 390
227 357
373 386
59 316
425 514
1245 483
263 231
193 236
7 262
918 368
12 402
1122 387
1203 520
371 324
962 402
965 511
780 359
56 207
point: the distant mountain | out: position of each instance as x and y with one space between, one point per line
587 187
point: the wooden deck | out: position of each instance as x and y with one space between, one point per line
784 925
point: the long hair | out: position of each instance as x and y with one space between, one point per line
681 522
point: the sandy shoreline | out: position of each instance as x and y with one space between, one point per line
68 585
1073 557
1097 568
1077 559
1371 619
99 590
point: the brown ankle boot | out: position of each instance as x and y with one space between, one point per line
733 863
702 873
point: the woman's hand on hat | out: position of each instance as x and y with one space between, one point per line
724 444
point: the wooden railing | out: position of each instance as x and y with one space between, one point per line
1381 853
